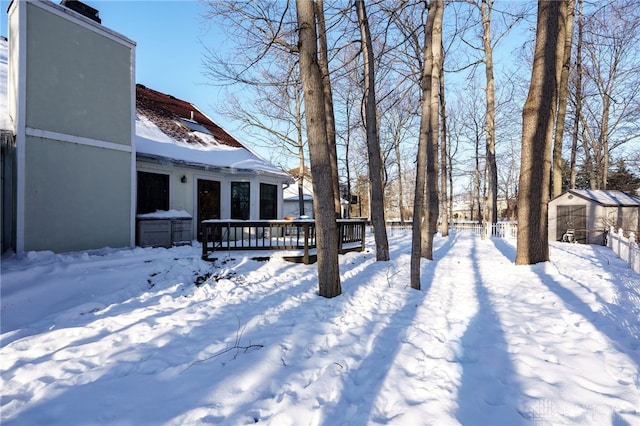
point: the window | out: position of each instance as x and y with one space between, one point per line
153 192
268 201
194 126
240 200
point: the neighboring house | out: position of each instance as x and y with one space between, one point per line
586 215
292 195
463 209
291 205
87 150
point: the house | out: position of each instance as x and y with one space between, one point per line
70 100
185 162
584 215
88 155
291 200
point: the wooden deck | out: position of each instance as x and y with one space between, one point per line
297 236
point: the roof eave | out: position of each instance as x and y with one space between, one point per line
158 159
600 203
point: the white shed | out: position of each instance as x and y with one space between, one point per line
588 214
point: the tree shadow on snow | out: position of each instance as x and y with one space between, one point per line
505 249
618 321
621 326
489 381
362 385
149 380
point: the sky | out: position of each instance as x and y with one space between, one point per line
169 51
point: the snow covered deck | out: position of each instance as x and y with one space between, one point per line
296 236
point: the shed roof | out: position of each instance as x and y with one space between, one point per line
607 198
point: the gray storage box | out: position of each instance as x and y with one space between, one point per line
154 233
181 231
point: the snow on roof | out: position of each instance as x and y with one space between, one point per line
5 121
174 129
607 198
152 141
172 115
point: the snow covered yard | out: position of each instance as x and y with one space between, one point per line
157 336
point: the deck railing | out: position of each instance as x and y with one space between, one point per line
298 235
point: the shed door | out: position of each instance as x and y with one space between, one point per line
208 202
572 217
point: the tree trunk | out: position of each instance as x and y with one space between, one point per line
421 159
323 62
563 91
301 165
578 100
443 157
430 126
373 145
450 176
537 132
400 185
433 194
314 99
492 169
604 141
476 184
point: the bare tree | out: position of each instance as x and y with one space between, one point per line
323 62
537 132
319 150
261 32
444 165
486 8
563 91
426 173
577 98
489 42
373 145
433 46
611 83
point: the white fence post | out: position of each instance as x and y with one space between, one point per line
612 232
634 253
623 249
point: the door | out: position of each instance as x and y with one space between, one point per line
572 217
208 202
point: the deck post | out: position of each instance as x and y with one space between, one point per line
305 256
203 229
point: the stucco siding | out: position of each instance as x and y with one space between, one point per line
80 82
78 197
